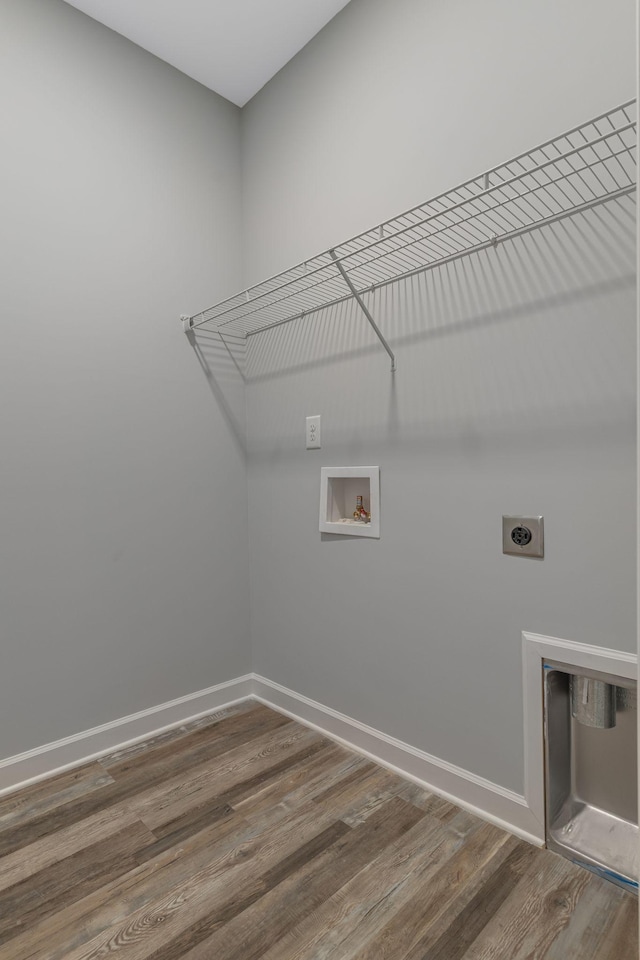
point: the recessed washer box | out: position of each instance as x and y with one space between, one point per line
340 488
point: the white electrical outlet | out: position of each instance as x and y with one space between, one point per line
313 433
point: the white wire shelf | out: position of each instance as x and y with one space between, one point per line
586 166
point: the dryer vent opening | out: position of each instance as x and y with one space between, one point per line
593 702
591 792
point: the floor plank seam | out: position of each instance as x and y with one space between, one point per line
248 836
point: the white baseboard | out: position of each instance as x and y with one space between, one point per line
487 800
54 758
520 815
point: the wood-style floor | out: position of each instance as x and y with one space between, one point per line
246 835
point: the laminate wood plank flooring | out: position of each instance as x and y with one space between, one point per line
246 836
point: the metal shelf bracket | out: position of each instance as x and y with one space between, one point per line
364 308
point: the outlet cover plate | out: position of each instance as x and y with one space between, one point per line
523 536
314 432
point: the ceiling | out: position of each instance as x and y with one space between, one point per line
231 46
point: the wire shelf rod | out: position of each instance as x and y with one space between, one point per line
430 238
474 201
485 245
497 187
613 132
495 170
550 161
520 231
527 153
304 295
257 306
489 213
582 168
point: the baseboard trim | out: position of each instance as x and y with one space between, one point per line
518 814
487 800
53 758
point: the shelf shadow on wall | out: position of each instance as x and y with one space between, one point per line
493 317
221 364
529 345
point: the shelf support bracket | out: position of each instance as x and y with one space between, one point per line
364 309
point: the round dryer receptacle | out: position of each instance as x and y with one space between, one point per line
521 536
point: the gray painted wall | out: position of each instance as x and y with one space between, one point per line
123 554
124 568
515 390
